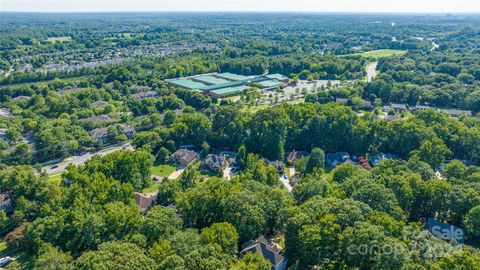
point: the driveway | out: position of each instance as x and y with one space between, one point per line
284 179
371 70
176 174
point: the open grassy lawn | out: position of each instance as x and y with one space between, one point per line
210 175
296 101
254 108
382 53
59 39
162 170
56 178
152 188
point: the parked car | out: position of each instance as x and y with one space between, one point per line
6 260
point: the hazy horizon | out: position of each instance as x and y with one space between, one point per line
309 6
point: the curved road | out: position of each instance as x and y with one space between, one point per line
80 160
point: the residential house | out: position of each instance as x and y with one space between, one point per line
279 166
99 103
6 202
70 90
176 111
20 98
364 163
5 113
392 117
215 163
368 105
295 155
145 201
3 134
456 112
99 119
422 107
335 159
341 100
396 107
445 231
183 157
147 94
101 134
376 159
266 250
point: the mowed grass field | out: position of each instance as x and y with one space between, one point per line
59 39
162 170
56 178
382 53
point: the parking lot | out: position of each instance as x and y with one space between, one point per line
296 92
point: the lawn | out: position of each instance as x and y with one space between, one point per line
382 53
296 101
56 178
152 188
254 108
162 170
210 175
59 39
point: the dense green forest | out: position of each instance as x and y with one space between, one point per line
64 79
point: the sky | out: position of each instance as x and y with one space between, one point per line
418 6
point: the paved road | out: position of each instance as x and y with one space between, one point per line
371 71
79 160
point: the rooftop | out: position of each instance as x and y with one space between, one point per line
262 247
5 112
270 83
209 80
101 132
230 76
71 90
277 76
228 90
186 83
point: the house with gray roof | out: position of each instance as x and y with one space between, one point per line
100 103
5 113
20 98
70 90
6 202
147 94
396 107
3 134
457 112
278 165
335 159
268 251
215 163
101 134
183 157
99 119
